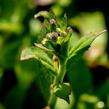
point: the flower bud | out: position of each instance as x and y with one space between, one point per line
58 30
48 35
55 58
55 64
52 21
63 33
54 36
69 29
44 41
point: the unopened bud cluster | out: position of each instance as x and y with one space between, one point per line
55 31
55 35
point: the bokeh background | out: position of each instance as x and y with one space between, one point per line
22 83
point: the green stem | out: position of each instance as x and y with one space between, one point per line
52 101
59 79
61 73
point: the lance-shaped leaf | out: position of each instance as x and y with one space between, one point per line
63 23
63 91
39 54
45 28
83 44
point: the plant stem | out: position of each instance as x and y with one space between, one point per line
52 100
59 79
61 73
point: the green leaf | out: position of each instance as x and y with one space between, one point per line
44 29
79 77
44 80
43 48
39 54
83 44
62 23
63 91
52 15
33 52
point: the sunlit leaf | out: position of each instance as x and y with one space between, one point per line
83 45
38 54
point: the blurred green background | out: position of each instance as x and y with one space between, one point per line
25 84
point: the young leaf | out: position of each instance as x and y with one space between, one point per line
52 15
83 45
63 91
63 23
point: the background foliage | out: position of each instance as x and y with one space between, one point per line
25 84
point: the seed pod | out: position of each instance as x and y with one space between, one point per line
69 29
54 36
52 21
